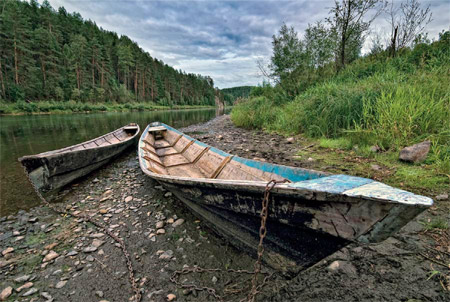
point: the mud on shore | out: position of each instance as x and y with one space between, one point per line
46 257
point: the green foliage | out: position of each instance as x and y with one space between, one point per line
231 94
56 55
390 102
257 112
435 224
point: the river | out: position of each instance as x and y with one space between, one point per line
31 134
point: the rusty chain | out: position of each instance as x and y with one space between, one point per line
255 288
137 291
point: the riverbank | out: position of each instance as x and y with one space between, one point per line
87 266
51 107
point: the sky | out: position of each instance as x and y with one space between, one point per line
222 39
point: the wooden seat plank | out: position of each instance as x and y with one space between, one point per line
175 160
166 151
162 143
186 171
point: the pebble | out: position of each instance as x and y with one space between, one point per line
376 167
47 296
129 198
167 255
60 284
72 253
90 249
23 278
214 279
168 194
50 246
97 243
30 292
6 293
90 258
99 293
345 267
178 222
160 224
103 211
442 197
50 256
156 292
160 231
7 251
290 140
25 286
171 297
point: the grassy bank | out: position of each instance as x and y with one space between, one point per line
377 100
48 107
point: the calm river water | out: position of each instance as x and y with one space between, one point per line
24 135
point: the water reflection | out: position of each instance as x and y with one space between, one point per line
23 135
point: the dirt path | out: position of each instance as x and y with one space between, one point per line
163 236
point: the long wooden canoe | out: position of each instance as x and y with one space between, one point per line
54 169
311 216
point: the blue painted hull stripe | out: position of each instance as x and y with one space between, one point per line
332 184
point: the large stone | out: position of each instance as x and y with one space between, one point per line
6 293
415 153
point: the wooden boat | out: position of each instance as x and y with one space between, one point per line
311 216
54 169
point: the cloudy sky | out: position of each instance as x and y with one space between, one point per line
222 39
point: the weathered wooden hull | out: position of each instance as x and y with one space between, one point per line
311 216
55 169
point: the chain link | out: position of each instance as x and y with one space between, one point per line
255 288
137 291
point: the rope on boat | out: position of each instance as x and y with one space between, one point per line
137 291
231 290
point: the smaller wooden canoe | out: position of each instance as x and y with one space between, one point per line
311 215
54 169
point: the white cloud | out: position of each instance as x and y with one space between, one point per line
222 39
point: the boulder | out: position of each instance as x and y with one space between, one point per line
415 153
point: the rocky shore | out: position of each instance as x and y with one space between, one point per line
47 257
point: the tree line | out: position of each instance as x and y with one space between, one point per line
48 54
231 94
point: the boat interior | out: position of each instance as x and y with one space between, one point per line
120 135
167 151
